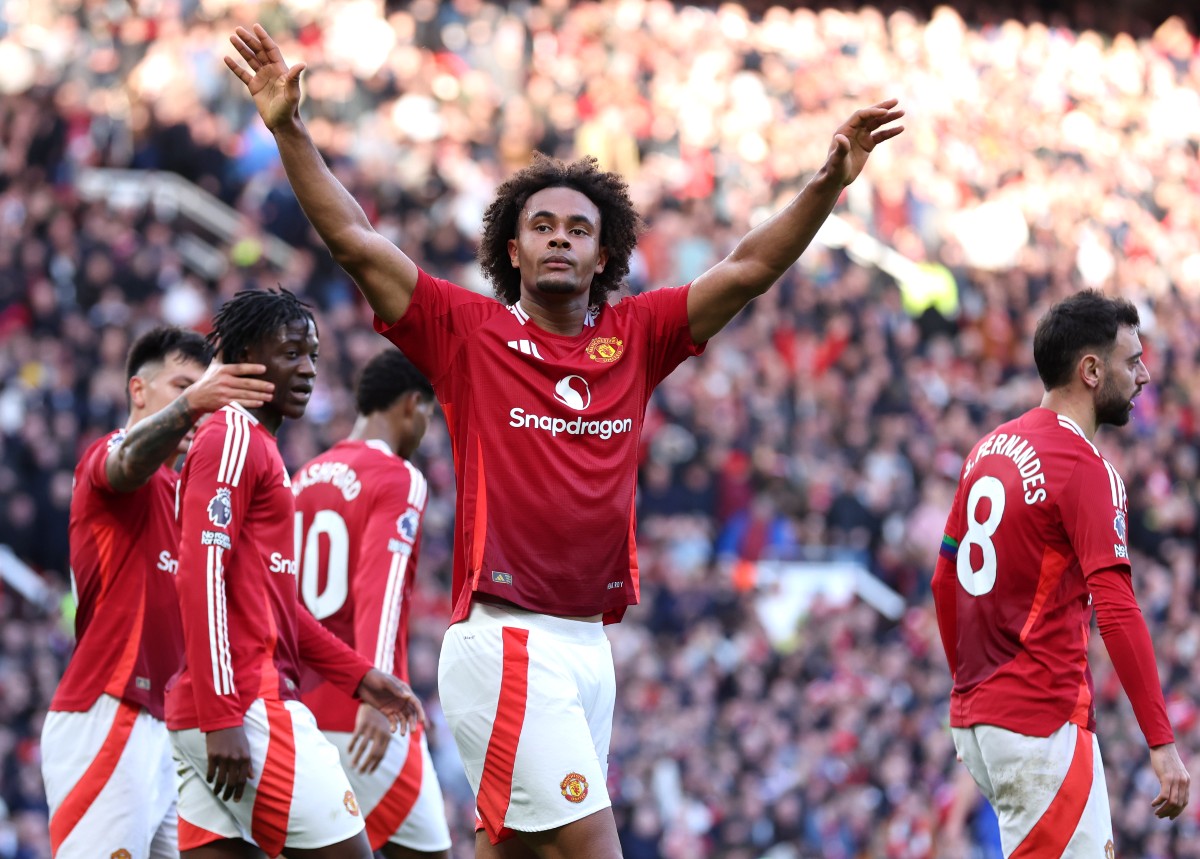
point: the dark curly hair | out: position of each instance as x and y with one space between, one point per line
620 224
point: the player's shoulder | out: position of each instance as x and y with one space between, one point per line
229 434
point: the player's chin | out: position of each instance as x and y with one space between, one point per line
566 285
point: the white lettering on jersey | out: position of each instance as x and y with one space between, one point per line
280 564
337 474
605 429
1023 455
166 563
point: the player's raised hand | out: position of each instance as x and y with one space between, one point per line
372 733
228 762
857 137
274 86
223 384
1173 779
392 697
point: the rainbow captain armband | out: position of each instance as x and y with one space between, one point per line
949 549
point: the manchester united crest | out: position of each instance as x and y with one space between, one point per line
606 350
574 788
120 854
350 802
1110 852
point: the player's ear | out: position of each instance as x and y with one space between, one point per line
1091 370
137 392
601 259
512 253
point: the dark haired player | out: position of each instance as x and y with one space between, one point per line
544 394
360 505
1037 538
106 754
255 770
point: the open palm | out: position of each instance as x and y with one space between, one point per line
274 86
857 137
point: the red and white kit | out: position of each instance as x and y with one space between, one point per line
245 637
106 756
1036 535
545 431
360 509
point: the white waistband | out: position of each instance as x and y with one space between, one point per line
582 631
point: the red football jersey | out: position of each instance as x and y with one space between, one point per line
545 433
1038 510
128 637
359 508
245 634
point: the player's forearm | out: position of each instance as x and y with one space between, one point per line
148 446
1132 653
330 208
768 250
944 586
328 655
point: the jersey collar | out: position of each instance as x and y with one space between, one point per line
380 445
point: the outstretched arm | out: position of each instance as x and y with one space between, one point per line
384 274
767 251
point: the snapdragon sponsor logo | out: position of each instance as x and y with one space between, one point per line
574 393
606 428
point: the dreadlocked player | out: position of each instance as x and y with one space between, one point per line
237 725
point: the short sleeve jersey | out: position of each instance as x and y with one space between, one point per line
123 560
545 432
1038 510
360 509
244 632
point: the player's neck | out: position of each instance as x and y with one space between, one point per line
558 314
269 418
1082 412
376 427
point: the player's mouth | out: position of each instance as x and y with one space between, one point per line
556 262
302 392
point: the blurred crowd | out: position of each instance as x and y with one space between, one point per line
827 423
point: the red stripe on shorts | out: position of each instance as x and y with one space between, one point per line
1053 831
192 836
390 812
273 803
95 777
495 786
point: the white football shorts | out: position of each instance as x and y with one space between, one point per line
1049 793
297 795
110 782
402 799
529 698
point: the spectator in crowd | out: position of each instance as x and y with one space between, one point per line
1039 159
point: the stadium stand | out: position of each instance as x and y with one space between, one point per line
827 425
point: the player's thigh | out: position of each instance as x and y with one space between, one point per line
298 796
402 799
354 847
1049 793
225 849
110 781
591 837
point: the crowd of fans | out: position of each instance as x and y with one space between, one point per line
828 423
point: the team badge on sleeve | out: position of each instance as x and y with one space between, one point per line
407 525
1119 525
574 788
220 509
606 350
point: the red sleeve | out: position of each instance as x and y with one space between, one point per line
385 552
328 655
670 332
439 317
216 493
1128 643
93 468
1092 507
945 584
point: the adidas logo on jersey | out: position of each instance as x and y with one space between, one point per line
526 347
